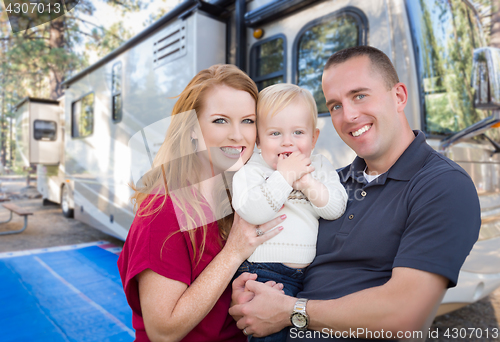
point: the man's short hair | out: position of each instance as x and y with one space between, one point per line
379 61
275 98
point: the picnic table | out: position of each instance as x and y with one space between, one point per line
13 208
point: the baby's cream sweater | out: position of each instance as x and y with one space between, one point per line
259 192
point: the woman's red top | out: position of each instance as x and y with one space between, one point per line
147 246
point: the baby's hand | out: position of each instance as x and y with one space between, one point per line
294 166
303 183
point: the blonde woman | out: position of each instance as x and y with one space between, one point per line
185 245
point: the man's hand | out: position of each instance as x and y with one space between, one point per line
241 294
266 313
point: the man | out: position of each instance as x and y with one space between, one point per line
382 269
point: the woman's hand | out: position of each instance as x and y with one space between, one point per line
244 239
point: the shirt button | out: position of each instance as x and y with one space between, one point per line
363 193
351 217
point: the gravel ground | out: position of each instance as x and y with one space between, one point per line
48 228
477 319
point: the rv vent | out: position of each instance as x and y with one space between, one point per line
169 44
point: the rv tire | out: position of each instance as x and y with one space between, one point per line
66 210
48 202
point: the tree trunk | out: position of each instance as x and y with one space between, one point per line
56 41
495 27
3 152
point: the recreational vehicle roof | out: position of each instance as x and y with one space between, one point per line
270 11
34 99
182 10
274 10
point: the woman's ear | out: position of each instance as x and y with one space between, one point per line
193 135
257 141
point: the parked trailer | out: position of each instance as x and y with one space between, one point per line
37 138
117 110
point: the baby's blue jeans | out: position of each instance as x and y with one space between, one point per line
291 278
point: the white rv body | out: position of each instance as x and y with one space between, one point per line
97 168
38 132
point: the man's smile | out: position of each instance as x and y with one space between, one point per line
362 130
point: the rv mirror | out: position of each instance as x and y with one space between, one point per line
486 83
476 129
486 78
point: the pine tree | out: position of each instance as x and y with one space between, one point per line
35 62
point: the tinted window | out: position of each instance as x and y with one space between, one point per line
445 34
317 43
45 130
116 92
268 62
83 117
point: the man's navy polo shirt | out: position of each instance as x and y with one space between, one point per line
423 213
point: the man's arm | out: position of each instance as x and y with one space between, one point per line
402 304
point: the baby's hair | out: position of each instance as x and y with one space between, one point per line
275 98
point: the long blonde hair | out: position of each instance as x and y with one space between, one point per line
177 167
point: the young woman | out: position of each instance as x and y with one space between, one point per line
185 245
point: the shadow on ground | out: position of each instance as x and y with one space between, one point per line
47 227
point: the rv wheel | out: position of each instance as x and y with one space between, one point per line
67 212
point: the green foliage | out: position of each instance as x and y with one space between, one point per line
104 42
316 45
35 62
450 34
166 6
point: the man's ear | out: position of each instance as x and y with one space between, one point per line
315 137
401 93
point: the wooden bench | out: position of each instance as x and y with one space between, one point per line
19 211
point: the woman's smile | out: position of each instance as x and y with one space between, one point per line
232 151
228 131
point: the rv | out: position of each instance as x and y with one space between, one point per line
115 112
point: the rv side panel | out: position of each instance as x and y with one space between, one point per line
23 134
99 159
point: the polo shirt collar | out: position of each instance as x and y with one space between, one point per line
405 167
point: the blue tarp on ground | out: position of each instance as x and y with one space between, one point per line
63 295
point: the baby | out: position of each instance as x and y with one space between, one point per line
284 178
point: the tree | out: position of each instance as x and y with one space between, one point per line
164 7
495 27
35 62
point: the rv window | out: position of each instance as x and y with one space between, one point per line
445 35
268 61
317 42
116 92
45 130
83 117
